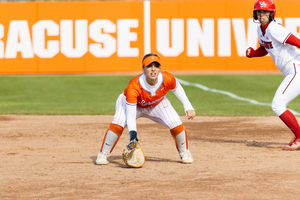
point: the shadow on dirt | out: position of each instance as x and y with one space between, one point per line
247 143
118 160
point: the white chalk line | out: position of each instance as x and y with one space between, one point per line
234 96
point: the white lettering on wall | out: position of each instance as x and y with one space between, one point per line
199 37
38 38
224 38
1 42
163 37
124 37
66 38
18 40
293 25
242 40
99 31
203 37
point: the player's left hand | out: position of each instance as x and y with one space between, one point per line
133 154
190 114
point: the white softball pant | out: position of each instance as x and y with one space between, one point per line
289 89
163 113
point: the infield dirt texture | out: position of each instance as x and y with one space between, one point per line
53 157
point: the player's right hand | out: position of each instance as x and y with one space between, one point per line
248 51
190 114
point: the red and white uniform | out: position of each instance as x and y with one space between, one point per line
140 99
274 38
281 45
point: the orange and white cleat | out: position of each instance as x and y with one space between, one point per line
102 158
293 145
186 157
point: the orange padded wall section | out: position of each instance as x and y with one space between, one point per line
113 36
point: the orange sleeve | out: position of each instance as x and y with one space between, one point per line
170 79
132 92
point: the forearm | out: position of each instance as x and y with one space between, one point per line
131 116
261 51
180 94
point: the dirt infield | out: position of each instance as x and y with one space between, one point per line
53 157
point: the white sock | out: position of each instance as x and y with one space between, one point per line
110 141
181 141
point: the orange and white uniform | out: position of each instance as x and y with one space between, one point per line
140 99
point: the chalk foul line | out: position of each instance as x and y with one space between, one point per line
234 96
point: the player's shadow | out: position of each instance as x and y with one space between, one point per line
156 159
269 145
118 160
115 160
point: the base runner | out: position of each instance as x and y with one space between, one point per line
281 45
145 97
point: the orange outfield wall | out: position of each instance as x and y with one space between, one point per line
113 36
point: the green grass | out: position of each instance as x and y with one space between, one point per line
60 94
96 95
257 87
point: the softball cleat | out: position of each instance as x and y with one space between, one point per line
102 158
186 157
293 145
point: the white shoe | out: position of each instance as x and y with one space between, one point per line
186 156
102 158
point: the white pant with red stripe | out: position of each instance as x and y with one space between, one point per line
289 89
163 113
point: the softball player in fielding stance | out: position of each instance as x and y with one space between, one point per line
145 97
281 45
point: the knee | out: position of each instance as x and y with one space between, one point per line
175 122
177 130
117 129
278 108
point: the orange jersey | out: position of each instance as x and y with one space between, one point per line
136 92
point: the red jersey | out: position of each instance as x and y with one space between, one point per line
138 93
